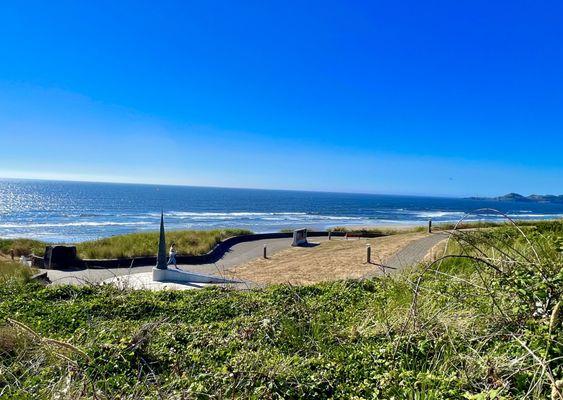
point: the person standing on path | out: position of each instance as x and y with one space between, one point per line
172 255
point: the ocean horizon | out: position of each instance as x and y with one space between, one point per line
67 211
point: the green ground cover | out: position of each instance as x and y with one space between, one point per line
481 325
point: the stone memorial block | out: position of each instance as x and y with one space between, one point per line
299 237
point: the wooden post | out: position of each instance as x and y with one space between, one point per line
265 251
430 225
368 251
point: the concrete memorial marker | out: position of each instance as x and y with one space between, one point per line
299 237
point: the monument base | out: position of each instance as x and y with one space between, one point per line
179 276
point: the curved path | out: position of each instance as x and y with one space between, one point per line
415 251
240 254
411 254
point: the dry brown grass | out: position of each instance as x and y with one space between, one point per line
331 260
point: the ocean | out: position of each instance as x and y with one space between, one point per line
68 212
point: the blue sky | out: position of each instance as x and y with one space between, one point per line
408 97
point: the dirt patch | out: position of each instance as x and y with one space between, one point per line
328 261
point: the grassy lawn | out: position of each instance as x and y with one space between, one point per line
485 324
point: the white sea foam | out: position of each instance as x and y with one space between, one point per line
528 216
265 216
228 214
422 214
180 219
64 224
439 214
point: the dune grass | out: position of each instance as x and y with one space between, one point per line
442 226
482 322
376 232
22 247
14 272
188 242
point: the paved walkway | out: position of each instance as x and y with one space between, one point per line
416 251
240 254
237 255
411 254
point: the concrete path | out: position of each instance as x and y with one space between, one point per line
414 252
238 254
411 254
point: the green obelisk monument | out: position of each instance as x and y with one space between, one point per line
161 257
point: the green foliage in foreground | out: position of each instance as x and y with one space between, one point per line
458 328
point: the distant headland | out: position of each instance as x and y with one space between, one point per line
534 198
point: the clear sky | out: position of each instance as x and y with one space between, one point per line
407 97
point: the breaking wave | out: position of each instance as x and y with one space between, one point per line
76 224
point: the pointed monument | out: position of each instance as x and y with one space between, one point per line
161 257
161 273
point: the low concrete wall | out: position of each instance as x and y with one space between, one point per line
178 276
41 277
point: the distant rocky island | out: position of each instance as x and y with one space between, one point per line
534 198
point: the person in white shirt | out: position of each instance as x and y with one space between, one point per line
172 255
